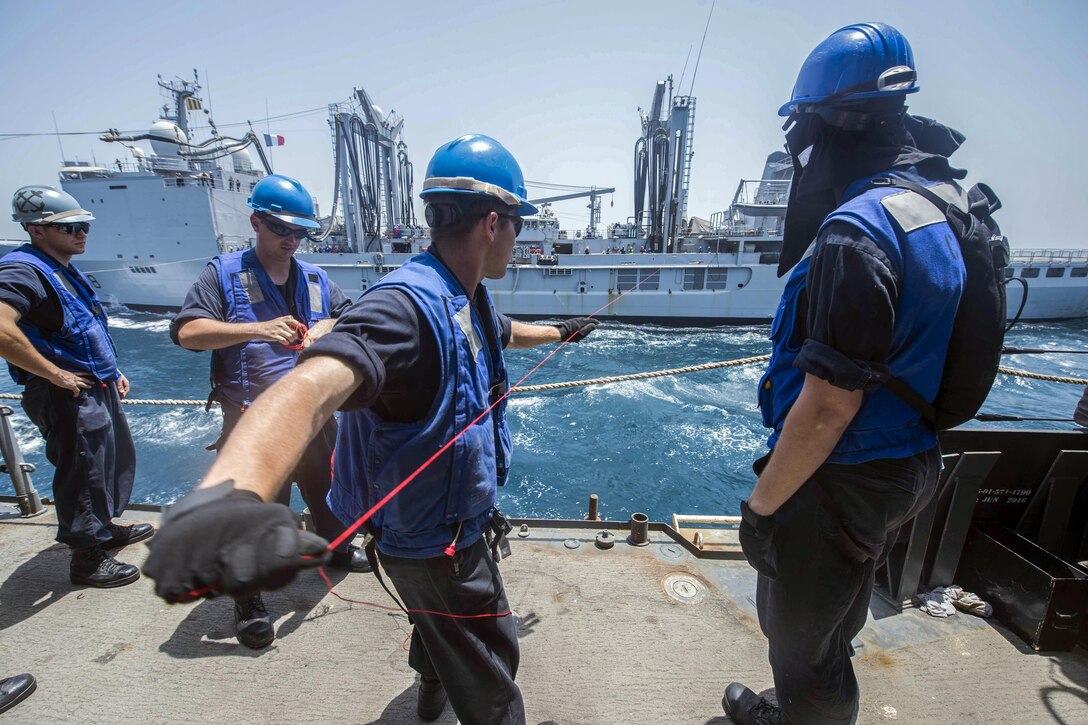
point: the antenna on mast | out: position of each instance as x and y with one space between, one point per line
57 130
685 71
701 43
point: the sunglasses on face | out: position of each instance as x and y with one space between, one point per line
72 228
282 230
518 221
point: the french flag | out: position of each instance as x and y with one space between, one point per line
273 139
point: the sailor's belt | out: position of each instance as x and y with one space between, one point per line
467 183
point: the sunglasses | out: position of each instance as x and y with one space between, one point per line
282 230
72 228
518 221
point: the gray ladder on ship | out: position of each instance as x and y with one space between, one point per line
689 146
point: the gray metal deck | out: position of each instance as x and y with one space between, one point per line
602 642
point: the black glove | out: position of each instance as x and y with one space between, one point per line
757 541
580 327
219 540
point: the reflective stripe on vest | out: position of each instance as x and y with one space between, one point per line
83 344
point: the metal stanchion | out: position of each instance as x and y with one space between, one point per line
30 504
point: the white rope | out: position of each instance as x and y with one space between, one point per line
613 379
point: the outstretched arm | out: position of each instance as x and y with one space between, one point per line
271 437
224 538
523 335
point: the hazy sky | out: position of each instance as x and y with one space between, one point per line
559 83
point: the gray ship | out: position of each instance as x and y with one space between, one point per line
175 202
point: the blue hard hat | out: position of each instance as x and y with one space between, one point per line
37 204
477 165
285 199
863 61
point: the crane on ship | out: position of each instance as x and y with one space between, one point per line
576 192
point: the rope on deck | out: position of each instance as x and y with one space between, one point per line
617 379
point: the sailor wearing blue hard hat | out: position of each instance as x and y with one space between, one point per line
54 334
255 309
283 199
850 461
414 360
475 167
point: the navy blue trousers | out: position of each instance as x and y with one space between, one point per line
89 444
820 600
476 659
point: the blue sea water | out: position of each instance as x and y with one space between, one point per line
677 444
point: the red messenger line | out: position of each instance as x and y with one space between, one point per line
350 531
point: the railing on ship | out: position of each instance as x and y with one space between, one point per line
1039 256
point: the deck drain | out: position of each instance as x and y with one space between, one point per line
684 588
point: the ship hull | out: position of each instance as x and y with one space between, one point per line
663 289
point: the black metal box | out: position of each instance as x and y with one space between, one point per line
1034 593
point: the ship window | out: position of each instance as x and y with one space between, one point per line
1008 272
693 278
649 279
716 278
1078 272
119 186
1029 272
1055 272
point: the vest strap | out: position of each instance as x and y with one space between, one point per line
906 393
370 548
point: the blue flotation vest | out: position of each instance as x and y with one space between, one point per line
242 372
83 344
926 257
373 455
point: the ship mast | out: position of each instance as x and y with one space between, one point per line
663 166
181 90
373 174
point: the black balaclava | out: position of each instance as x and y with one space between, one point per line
827 158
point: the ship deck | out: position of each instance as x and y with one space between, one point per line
602 640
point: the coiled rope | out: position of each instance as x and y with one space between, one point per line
618 379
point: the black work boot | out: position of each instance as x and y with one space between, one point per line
252 623
125 535
748 708
432 699
352 559
93 567
14 690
